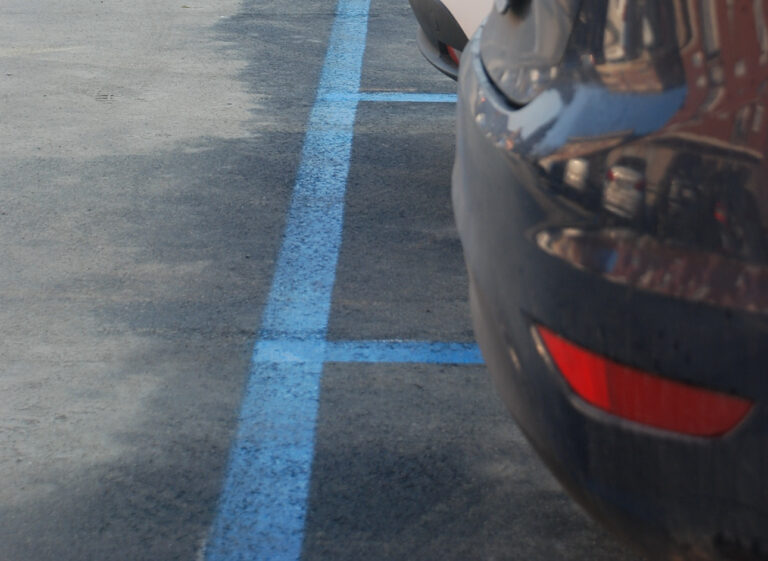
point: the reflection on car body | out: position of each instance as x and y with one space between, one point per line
611 193
624 190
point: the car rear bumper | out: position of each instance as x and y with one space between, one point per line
674 494
437 22
437 56
438 31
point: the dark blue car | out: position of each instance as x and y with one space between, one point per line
611 193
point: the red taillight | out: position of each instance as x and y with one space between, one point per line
453 53
720 214
642 397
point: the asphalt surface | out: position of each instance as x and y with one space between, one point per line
149 151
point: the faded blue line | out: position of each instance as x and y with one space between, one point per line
402 97
263 503
388 97
428 352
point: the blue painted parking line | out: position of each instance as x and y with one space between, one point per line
393 351
263 503
262 507
388 97
403 97
427 352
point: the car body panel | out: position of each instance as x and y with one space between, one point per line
669 279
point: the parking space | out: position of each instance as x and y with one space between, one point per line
250 338
390 41
400 273
452 479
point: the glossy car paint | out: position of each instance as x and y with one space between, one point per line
668 95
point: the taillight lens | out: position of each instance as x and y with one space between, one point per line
454 54
642 397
